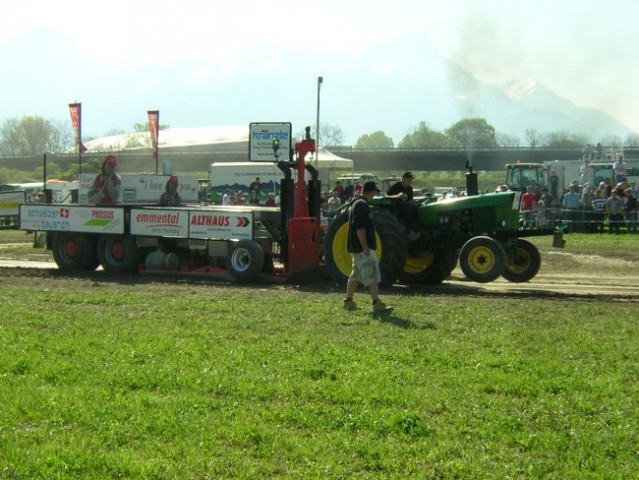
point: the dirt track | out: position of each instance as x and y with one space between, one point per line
562 274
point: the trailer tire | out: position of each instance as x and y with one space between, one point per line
73 251
244 259
482 259
118 253
430 269
523 261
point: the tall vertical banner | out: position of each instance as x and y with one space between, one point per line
154 126
76 123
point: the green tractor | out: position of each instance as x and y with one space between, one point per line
481 232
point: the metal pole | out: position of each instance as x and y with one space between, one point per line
317 121
80 149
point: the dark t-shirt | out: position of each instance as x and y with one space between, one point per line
360 217
400 188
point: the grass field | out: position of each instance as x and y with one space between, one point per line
195 380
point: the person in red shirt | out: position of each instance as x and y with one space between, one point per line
527 207
107 185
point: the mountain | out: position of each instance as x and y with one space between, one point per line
392 87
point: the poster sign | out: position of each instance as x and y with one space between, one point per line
262 137
164 222
65 218
221 225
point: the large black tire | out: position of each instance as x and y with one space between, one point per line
118 253
429 269
73 251
482 259
523 261
244 259
390 251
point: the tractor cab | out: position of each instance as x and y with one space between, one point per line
520 175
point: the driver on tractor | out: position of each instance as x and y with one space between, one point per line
402 191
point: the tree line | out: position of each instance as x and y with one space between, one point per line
35 135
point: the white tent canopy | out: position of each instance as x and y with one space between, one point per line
327 159
171 137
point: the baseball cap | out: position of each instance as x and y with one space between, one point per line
370 187
408 175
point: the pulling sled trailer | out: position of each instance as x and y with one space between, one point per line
243 240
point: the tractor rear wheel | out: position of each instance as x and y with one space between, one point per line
390 251
338 261
392 245
522 261
482 259
430 269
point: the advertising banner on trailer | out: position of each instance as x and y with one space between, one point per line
71 219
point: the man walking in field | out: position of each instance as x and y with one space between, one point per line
361 243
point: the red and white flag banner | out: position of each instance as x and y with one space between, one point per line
76 122
154 126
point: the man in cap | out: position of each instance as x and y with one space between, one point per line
107 185
362 244
402 191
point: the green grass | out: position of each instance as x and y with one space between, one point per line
111 380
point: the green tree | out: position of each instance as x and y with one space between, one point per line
329 135
376 139
472 133
423 137
33 135
506 140
632 140
11 141
564 139
532 137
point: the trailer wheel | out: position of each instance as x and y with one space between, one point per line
430 269
244 259
73 251
118 253
482 259
522 261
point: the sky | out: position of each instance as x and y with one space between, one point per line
582 50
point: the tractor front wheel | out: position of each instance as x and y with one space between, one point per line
482 259
522 261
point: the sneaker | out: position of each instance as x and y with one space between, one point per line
413 236
380 307
349 304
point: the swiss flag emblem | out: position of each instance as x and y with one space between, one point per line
64 212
